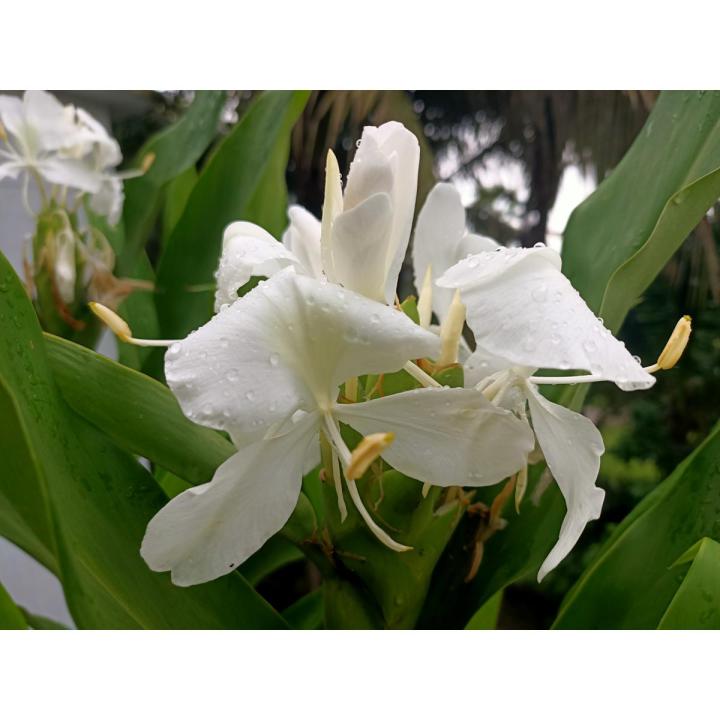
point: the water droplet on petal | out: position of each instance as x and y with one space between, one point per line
637 359
232 375
274 359
250 395
539 293
539 245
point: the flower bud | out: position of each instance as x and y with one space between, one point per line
451 332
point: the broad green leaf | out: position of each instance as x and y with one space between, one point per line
239 182
176 149
140 414
11 617
487 616
94 499
619 239
176 196
632 581
307 613
273 555
696 605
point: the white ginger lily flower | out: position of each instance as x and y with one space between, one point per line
441 239
364 233
63 145
267 370
525 315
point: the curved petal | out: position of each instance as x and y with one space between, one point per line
358 237
521 307
441 240
302 239
207 531
248 251
71 172
108 201
387 161
482 364
286 345
51 122
12 114
572 446
445 436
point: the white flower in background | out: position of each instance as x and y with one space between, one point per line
267 370
364 233
61 145
526 315
441 239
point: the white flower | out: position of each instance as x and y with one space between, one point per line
441 239
525 315
63 145
364 233
267 370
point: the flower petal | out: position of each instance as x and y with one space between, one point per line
387 161
358 239
572 446
108 201
302 239
445 436
209 530
522 308
286 345
441 240
248 251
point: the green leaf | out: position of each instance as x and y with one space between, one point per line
487 616
39 622
140 414
93 499
307 613
273 555
176 196
619 239
176 149
633 580
696 605
244 179
11 617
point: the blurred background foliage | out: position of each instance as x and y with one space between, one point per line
508 152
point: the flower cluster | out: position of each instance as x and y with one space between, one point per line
72 160
279 365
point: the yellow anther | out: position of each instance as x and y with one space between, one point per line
147 162
351 389
424 305
676 345
112 320
366 452
451 332
3 134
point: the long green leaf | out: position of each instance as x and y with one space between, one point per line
696 605
226 190
176 149
94 499
140 414
11 617
619 239
633 580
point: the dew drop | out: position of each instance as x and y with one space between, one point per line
274 359
539 245
232 375
539 293
637 359
250 395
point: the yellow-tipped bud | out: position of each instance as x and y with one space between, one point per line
366 452
112 320
147 162
673 350
451 331
424 305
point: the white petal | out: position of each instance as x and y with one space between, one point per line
94 138
209 530
51 122
332 207
482 364
359 237
108 201
522 308
248 251
387 161
71 172
12 115
441 240
572 446
445 436
286 345
302 239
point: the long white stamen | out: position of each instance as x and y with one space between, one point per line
420 375
345 456
337 480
